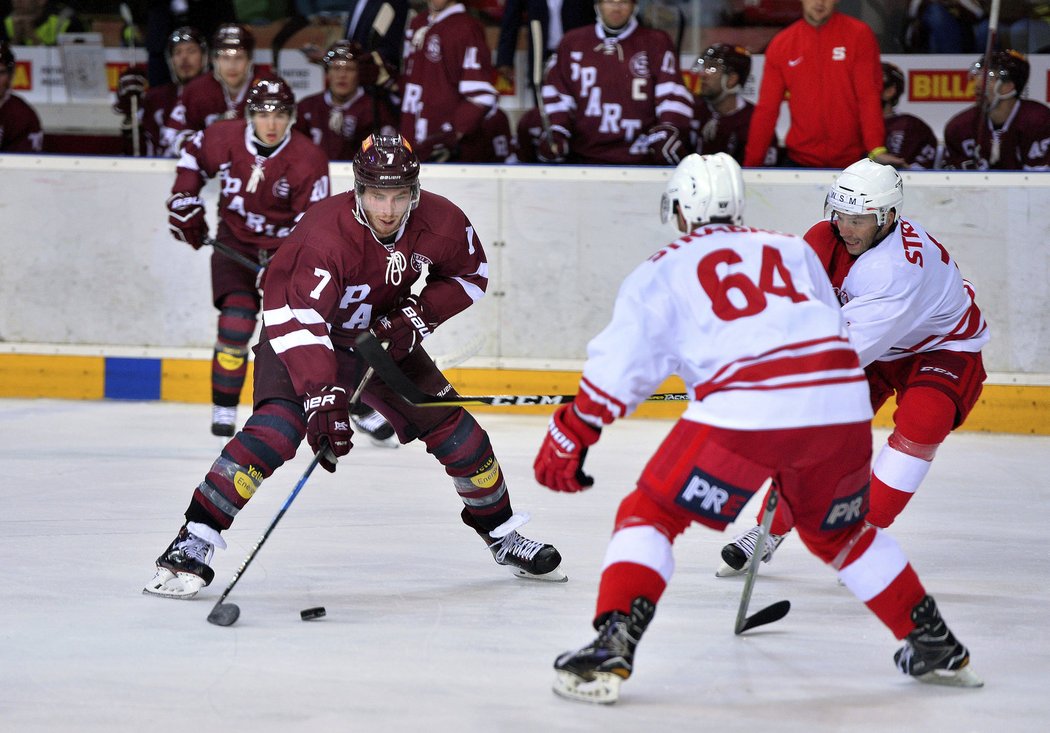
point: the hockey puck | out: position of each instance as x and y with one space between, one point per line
311 613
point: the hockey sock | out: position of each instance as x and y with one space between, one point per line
230 358
638 562
877 572
896 474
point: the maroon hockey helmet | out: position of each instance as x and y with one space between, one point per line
1006 65
233 37
270 95
7 57
893 76
726 57
343 51
185 34
386 161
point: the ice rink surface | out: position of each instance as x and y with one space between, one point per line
425 632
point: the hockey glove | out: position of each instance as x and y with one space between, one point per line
328 425
403 328
559 464
438 147
553 147
665 145
132 83
186 219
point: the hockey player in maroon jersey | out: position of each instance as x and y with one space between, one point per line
187 55
219 95
1016 134
747 318
721 116
20 130
907 137
349 267
615 95
269 175
914 322
340 118
446 86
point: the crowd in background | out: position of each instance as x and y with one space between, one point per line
612 90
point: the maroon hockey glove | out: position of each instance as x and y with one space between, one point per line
403 328
553 147
439 147
132 83
186 219
665 145
559 464
328 425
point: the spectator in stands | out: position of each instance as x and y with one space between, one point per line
557 17
361 27
615 94
1015 134
907 137
1031 33
828 64
942 26
163 17
353 107
20 130
721 116
446 84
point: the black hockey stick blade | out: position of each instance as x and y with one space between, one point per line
372 351
767 615
224 614
233 254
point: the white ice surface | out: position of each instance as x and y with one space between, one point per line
425 633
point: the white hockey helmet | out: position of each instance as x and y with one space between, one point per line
866 187
705 188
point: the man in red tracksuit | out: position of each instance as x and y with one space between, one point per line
827 65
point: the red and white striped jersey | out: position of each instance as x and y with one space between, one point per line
904 295
749 321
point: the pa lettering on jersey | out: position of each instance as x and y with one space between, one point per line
847 510
610 114
711 497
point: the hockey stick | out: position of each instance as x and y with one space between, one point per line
233 254
536 28
226 614
982 111
380 27
778 610
129 21
369 347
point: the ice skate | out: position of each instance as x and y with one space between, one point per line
736 554
375 426
526 558
223 421
932 654
594 673
182 569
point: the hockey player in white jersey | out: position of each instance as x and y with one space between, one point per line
913 320
748 319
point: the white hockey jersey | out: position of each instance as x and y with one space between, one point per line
747 318
906 295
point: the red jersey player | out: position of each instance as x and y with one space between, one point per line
747 318
349 267
270 175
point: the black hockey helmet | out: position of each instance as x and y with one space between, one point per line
1006 65
7 57
185 34
233 37
893 76
726 57
386 161
268 95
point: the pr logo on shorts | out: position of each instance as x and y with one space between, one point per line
711 497
846 510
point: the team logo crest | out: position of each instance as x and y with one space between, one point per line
281 189
639 65
433 48
419 261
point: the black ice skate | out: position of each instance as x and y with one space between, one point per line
595 672
371 423
526 558
182 569
932 654
223 421
736 554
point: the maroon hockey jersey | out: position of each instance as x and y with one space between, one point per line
20 130
157 104
260 198
910 138
332 279
717 133
202 101
448 76
606 93
1022 143
339 130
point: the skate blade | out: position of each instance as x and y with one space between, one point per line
728 571
604 689
554 576
964 677
166 584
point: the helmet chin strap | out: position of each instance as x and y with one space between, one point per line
997 97
362 218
